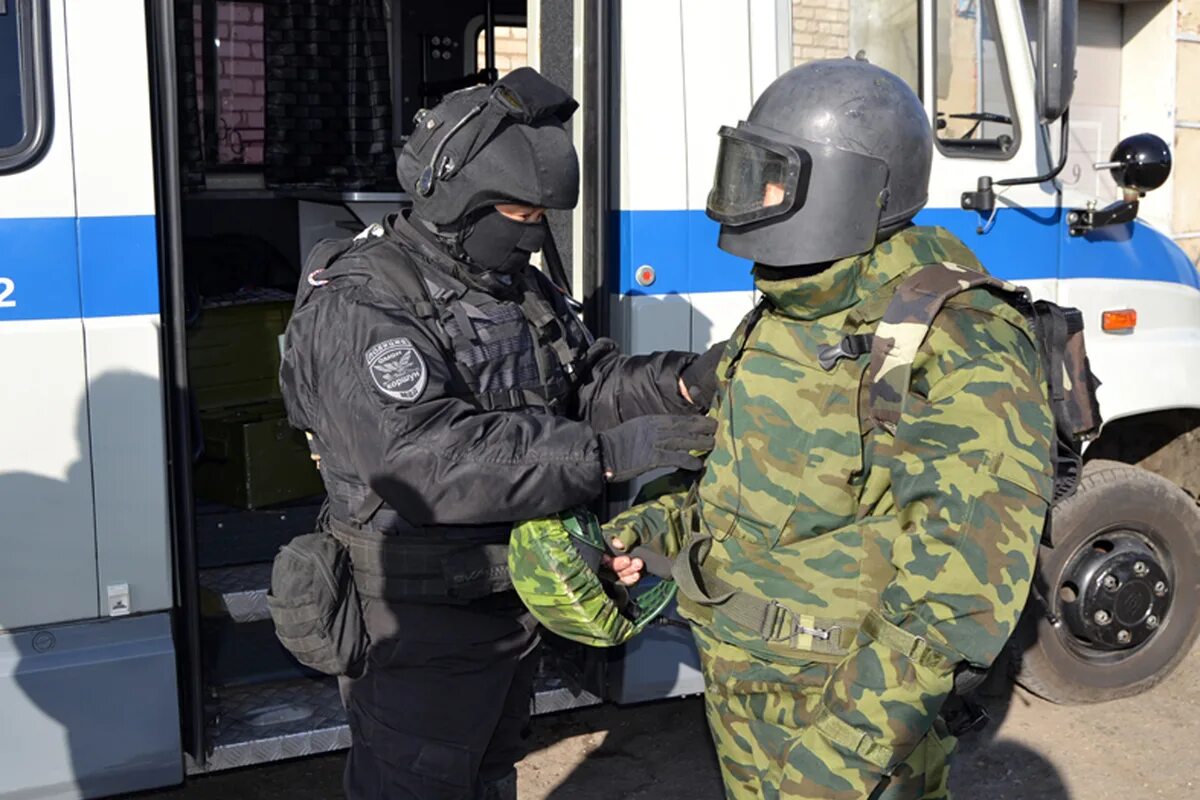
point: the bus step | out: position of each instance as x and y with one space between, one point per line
265 722
273 721
552 694
239 593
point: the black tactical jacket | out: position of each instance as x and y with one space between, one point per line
464 403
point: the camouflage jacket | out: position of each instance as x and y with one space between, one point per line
934 526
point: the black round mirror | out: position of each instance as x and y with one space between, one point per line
1141 162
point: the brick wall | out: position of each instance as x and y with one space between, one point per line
512 49
241 89
820 29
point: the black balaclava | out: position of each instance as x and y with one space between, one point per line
495 243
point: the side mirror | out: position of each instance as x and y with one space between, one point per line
1140 163
1056 57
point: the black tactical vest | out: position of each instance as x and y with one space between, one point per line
512 347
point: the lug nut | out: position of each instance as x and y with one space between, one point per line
1160 588
1151 622
1109 582
1102 617
1140 569
1123 637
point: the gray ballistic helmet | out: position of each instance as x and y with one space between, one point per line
834 154
503 143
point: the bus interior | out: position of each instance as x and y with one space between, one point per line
287 117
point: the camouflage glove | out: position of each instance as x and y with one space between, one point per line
658 525
700 376
653 442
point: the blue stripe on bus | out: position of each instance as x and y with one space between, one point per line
39 263
65 268
681 246
118 262
1025 244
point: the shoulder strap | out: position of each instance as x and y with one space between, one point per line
736 345
903 329
551 326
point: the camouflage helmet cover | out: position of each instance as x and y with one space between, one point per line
554 564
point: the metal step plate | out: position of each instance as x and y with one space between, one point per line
275 721
552 694
237 592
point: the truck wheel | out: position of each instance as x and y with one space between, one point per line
1122 586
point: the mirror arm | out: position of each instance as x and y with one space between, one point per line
1081 221
1062 158
983 199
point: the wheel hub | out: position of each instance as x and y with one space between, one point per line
1123 594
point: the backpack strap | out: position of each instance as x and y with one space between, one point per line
903 330
736 345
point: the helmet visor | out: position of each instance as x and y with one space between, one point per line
756 178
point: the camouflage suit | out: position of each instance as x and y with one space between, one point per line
893 551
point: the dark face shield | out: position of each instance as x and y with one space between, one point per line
756 178
783 201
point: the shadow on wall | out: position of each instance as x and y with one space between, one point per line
89 709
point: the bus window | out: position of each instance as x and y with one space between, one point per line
973 104
886 32
24 83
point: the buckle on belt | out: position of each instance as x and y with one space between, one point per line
780 624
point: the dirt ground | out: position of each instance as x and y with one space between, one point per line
1141 747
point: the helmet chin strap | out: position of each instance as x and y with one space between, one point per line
450 239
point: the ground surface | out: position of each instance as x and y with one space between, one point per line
1142 747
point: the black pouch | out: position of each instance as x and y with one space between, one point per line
315 605
1072 389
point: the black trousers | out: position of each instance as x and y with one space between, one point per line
440 710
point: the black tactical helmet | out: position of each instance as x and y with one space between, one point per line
492 144
834 154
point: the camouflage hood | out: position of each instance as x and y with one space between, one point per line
851 281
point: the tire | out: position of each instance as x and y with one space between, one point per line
1136 509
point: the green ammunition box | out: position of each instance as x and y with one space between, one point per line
233 354
253 458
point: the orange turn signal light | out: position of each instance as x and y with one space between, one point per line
1119 321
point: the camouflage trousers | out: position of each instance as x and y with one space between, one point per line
756 712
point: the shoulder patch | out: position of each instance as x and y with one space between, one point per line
397 368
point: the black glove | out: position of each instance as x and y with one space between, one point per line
651 442
700 376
